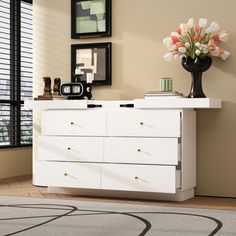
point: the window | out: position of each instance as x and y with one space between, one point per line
15 72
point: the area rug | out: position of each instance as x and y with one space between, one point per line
42 217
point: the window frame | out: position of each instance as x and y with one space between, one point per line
15 101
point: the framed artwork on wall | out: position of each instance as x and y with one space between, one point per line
92 58
90 18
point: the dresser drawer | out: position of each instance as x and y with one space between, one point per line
72 122
61 174
141 150
152 123
59 148
143 178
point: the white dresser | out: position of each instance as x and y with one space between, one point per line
145 150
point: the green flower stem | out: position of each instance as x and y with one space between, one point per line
209 36
188 53
199 33
192 32
192 53
181 40
204 37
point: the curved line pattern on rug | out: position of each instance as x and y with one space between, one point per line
72 209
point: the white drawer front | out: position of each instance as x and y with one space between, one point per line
151 123
87 149
61 174
144 178
141 150
72 122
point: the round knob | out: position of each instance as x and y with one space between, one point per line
65 174
68 148
139 150
72 123
136 177
141 123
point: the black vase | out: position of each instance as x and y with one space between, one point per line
196 67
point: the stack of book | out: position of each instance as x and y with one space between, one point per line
53 97
159 94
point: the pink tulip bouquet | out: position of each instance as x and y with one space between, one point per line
196 40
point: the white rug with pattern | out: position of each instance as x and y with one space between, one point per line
42 217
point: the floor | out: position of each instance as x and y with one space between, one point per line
22 186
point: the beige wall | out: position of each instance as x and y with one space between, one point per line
15 162
138 29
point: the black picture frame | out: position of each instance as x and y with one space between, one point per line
92 58
90 18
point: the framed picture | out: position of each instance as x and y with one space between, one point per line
92 59
90 18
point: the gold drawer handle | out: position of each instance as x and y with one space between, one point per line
136 177
141 123
65 174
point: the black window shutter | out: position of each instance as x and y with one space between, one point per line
15 72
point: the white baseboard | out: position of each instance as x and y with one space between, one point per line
179 196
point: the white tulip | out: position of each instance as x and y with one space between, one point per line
182 49
169 57
184 32
197 44
200 47
187 44
175 34
167 41
223 36
176 56
171 47
198 52
215 52
190 23
204 48
202 22
213 28
225 55
184 27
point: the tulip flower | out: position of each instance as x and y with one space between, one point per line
224 36
184 32
202 22
225 55
171 47
221 36
174 39
178 30
194 40
197 28
176 34
182 49
198 52
187 44
190 23
215 52
169 56
213 28
167 41
179 44
184 27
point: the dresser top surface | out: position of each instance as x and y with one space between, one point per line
157 103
